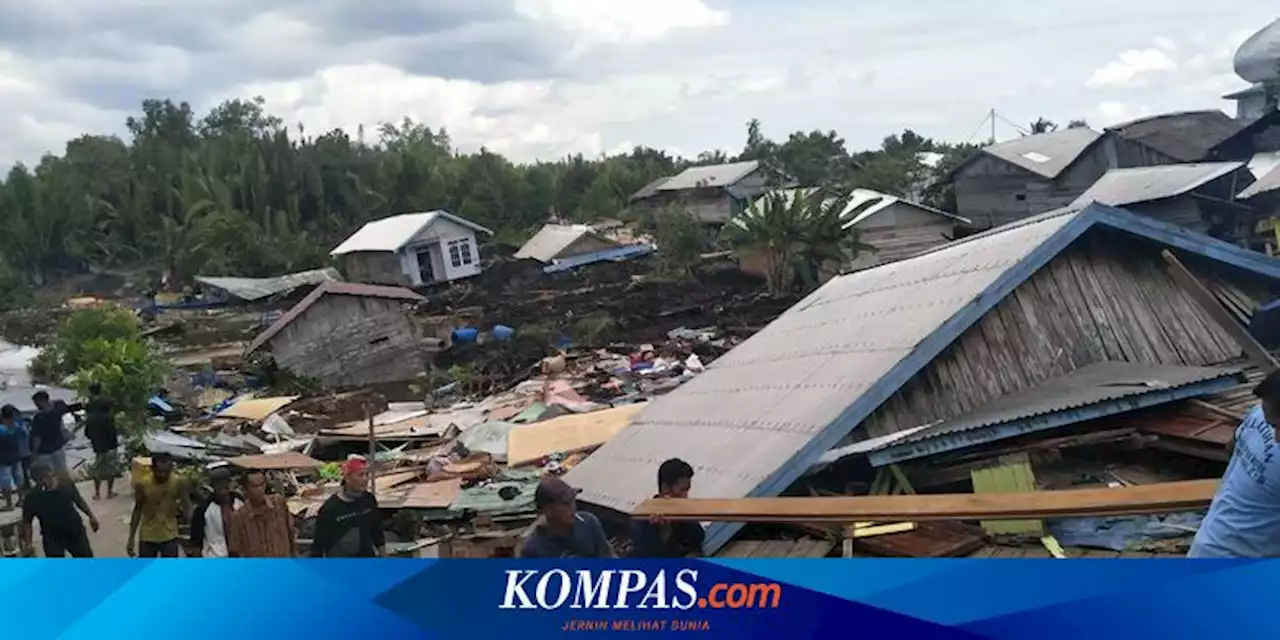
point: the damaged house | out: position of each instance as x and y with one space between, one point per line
713 194
1078 309
412 250
350 335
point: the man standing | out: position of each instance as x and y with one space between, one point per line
562 531
263 527
53 502
212 517
657 538
10 460
1244 517
159 499
100 429
48 438
349 524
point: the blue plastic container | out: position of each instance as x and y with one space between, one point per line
465 334
503 332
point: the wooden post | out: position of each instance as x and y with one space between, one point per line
373 454
1210 304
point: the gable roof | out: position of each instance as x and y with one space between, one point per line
1120 187
390 234
547 244
1187 136
1045 154
863 203
709 177
649 190
331 287
760 415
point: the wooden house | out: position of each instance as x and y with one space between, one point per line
1184 136
412 249
1064 317
350 335
712 194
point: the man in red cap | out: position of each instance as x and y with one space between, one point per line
349 524
562 531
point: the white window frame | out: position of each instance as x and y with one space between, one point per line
460 254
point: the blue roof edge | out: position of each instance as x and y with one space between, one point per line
996 432
719 533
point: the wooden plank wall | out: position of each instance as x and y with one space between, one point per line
1103 299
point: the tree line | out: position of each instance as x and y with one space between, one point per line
238 192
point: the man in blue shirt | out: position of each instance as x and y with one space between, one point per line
1244 517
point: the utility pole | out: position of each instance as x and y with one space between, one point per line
992 117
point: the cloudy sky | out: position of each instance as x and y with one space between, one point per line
541 78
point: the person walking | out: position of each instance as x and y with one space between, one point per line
160 500
11 476
562 531
54 502
48 434
100 429
211 519
349 524
263 527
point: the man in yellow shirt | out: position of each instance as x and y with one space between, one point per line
159 500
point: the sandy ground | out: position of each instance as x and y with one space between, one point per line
113 516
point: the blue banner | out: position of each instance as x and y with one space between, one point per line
490 599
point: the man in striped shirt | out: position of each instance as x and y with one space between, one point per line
263 526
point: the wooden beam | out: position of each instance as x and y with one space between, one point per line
1219 313
1164 497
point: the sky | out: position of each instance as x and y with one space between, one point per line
539 79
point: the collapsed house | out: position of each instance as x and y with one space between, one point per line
346 335
936 340
712 194
251 290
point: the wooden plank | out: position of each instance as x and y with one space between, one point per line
426 495
1011 474
1164 497
1215 409
568 434
276 461
1201 295
928 540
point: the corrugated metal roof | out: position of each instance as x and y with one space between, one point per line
331 288
1095 384
547 244
389 234
1046 154
250 289
863 203
710 177
649 190
1120 187
1266 184
759 416
1187 136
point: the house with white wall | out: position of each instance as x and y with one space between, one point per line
412 249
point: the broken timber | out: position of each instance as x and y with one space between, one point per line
1165 497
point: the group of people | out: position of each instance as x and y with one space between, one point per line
562 531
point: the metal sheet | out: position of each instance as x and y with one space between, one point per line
250 289
389 234
552 239
709 177
1046 154
1121 187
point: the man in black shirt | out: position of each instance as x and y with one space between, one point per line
657 538
48 441
349 524
53 502
562 531
100 428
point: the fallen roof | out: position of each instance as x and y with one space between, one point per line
1187 136
1094 391
389 234
1120 187
1266 184
760 415
863 203
709 177
552 239
331 288
250 289
1045 154
257 408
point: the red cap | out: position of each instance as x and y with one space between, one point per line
354 465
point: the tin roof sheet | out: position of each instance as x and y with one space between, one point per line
1046 154
250 289
1119 187
759 416
389 234
709 177
547 244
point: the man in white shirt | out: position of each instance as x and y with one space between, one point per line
209 523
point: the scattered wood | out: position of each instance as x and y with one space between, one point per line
926 540
1009 474
276 462
1054 548
568 434
869 529
1215 409
1219 313
1164 497
426 495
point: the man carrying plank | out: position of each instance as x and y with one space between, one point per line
1244 517
658 538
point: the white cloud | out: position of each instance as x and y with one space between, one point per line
1116 112
623 21
1132 68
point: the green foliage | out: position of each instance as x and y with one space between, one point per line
679 238
104 345
236 192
